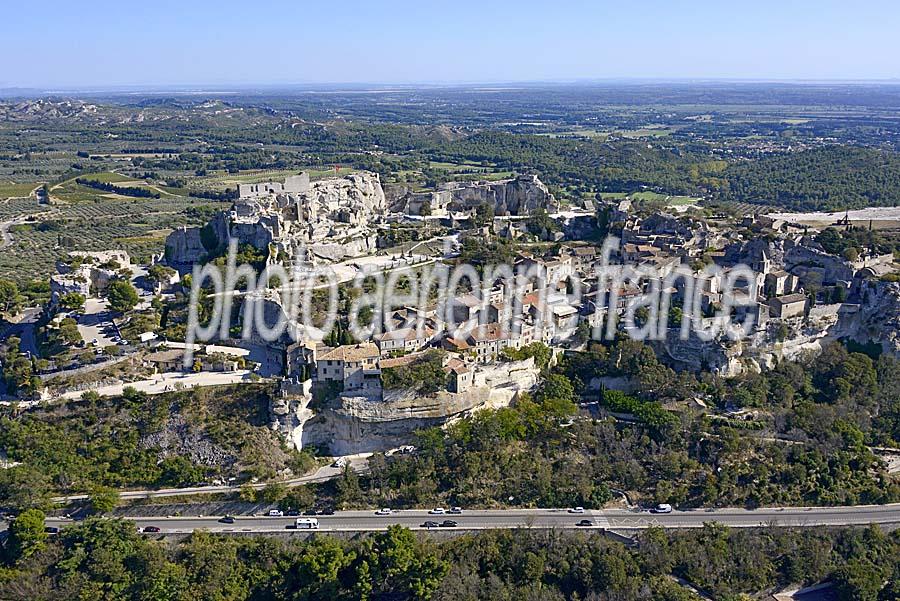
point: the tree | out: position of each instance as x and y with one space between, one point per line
104 499
299 497
858 580
24 487
26 534
273 492
248 494
540 351
556 387
349 491
539 222
484 214
68 331
159 273
851 254
122 296
73 301
9 296
402 563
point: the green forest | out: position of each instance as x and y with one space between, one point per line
826 179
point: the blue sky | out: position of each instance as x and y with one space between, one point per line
104 43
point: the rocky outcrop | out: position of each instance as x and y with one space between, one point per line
334 218
517 196
361 190
355 246
877 317
184 247
178 439
357 424
815 266
289 410
719 355
874 316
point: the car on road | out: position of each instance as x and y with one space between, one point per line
430 524
661 508
585 523
148 529
292 513
384 511
340 462
51 530
327 511
275 513
455 511
438 511
576 510
449 524
227 519
310 511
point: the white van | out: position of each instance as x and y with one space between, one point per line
306 523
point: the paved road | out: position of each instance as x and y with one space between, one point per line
24 329
364 521
6 238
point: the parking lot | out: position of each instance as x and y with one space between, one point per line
96 323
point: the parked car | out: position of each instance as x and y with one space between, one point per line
455 510
384 511
328 511
51 530
662 508
430 524
292 513
227 519
275 513
585 523
438 511
576 510
310 511
151 529
449 524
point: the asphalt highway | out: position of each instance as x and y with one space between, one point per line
618 519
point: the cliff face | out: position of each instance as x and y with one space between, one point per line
878 317
357 424
355 246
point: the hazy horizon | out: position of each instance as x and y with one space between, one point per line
280 43
386 87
